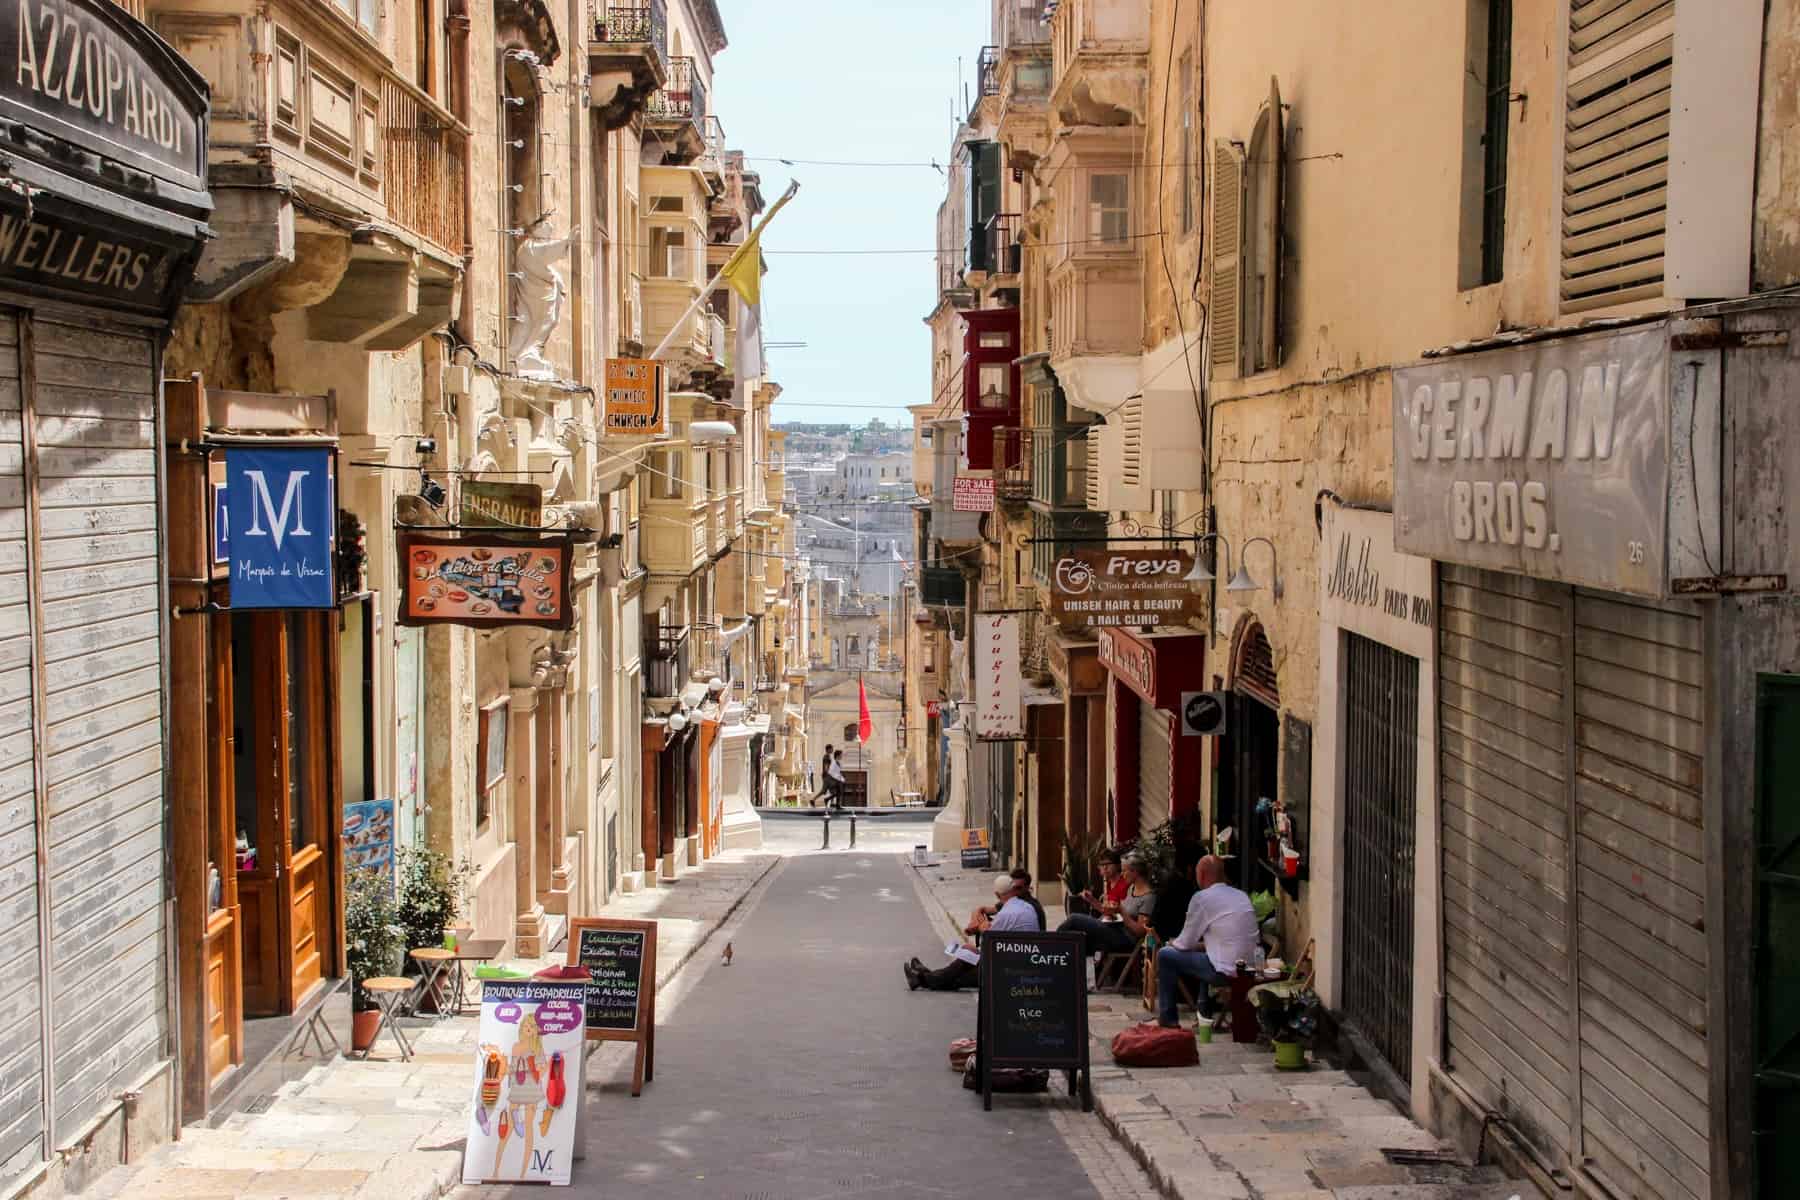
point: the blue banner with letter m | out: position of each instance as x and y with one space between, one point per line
280 527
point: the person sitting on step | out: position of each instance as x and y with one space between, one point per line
1015 915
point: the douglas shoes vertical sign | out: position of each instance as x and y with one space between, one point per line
280 526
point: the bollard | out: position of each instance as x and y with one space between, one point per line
853 830
825 823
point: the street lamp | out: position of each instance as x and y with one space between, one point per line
1200 572
1242 582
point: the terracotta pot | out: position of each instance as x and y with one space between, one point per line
362 1029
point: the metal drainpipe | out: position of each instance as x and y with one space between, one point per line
458 23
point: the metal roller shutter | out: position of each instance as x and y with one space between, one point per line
1640 933
21 1019
1503 757
1155 779
93 403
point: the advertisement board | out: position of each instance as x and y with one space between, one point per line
280 527
528 1082
999 707
972 493
634 399
485 581
1097 588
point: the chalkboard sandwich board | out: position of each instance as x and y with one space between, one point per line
1033 1009
621 992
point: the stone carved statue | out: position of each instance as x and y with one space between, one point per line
538 293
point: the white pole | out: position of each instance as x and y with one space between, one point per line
712 285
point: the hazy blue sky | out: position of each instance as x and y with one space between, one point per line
859 80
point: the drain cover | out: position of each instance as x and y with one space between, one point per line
260 1104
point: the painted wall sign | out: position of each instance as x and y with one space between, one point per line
1554 459
85 71
1370 588
280 525
50 252
634 397
1092 589
999 709
527 1082
972 493
486 581
1131 661
503 505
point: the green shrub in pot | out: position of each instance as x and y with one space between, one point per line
372 932
432 891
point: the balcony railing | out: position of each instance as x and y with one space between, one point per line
987 71
645 24
683 98
1004 250
667 666
426 150
1013 460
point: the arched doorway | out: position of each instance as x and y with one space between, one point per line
1250 759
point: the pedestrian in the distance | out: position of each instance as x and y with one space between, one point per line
824 776
836 785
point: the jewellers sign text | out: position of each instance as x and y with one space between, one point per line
1549 460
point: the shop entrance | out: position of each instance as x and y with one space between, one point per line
1249 767
280 784
1777 1032
1381 771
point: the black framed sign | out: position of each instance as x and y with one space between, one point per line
1033 1009
620 957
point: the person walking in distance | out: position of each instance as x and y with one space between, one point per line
837 780
824 776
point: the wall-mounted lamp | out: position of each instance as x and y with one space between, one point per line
1242 582
1199 572
677 721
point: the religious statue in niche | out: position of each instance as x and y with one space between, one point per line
538 292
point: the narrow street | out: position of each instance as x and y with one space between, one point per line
807 1069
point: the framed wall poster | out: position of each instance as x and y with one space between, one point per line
490 754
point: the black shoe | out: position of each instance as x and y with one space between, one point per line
912 976
915 964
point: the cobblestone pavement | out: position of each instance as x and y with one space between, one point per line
806 1069
389 1130
1234 1128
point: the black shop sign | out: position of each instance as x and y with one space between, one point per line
1033 1008
620 957
89 74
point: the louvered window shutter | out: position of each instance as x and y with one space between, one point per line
1616 151
1268 233
1224 318
1092 482
1131 437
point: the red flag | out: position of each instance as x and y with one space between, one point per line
865 728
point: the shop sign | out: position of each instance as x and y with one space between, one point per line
486 581
369 835
1131 661
1550 460
279 527
502 505
1203 714
86 72
1370 588
527 1083
1091 589
634 399
975 855
972 493
999 706
44 251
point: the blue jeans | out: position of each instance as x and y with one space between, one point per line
1173 965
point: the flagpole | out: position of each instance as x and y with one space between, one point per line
712 285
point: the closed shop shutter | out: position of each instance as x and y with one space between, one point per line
1641 938
94 405
1155 779
1503 761
21 1029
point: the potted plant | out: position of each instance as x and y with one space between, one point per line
1287 1011
374 940
1078 874
431 892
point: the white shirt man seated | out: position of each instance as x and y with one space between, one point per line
1016 915
1220 932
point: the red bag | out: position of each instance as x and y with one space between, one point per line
961 1050
1154 1046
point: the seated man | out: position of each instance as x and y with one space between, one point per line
983 914
1014 915
1220 933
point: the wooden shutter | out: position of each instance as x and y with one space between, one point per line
1224 320
1616 151
1268 235
1131 443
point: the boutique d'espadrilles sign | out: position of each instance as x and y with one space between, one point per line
527 1082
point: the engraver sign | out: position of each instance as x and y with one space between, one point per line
1565 459
279 527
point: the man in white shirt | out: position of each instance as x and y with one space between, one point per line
1220 933
1016 915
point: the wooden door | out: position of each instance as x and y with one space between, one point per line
304 885
257 659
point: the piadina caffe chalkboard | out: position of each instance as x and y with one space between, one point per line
1033 1009
621 993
